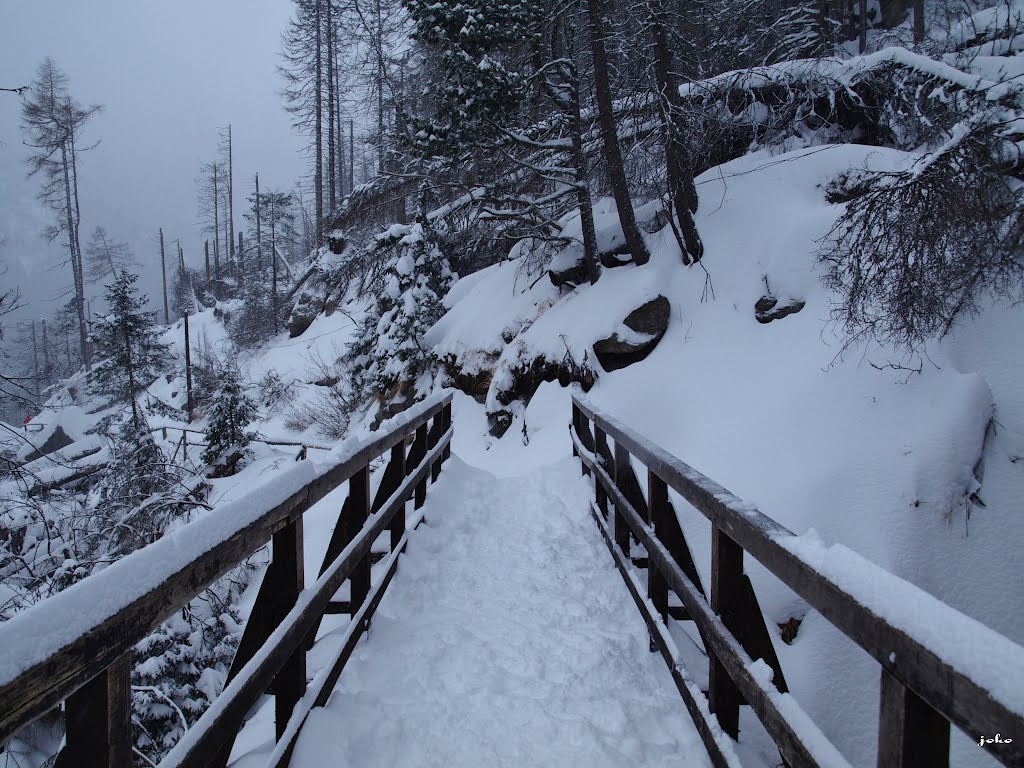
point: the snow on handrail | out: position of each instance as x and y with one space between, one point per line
33 637
971 674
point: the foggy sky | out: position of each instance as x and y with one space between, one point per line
168 74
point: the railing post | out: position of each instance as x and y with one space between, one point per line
421 487
657 587
622 534
398 521
434 436
98 720
447 422
602 452
726 582
910 733
359 499
290 683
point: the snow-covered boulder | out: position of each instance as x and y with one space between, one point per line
641 332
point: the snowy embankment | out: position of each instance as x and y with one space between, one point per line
879 459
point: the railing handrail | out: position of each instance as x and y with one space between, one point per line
60 661
981 698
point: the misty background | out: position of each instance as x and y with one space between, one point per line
168 75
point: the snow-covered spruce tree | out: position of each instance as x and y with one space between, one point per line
128 342
180 668
389 359
226 435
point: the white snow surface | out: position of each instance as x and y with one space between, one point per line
506 639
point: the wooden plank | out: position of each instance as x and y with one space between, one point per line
720 757
215 726
359 493
290 683
754 633
42 687
762 697
446 416
397 465
98 722
621 468
910 733
657 587
726 582
602 451
421 489
964 702
436 430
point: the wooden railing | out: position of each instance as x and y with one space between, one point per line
925 685
90 669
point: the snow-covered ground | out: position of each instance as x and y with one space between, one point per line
506 639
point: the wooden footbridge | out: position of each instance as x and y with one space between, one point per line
74 649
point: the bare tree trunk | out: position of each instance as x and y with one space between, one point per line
241 264
276 310
35 364
206 249
76 263
259 236
609 135
188 371
163 273
918 21
682 192
351 156
318 180
231 189
216 224
380 87
331 168
340 147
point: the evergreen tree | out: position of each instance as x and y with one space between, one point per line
389 356
233 411
128 340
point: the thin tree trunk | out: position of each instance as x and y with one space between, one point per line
609 135
241 264
340 147
206 249
35 364
582 174
682 191
76 264
351 156
231 189
259 237
46 356
216 223
163 273
380 88
318 178
331 170
918 21
273 264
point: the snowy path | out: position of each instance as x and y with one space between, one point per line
506 639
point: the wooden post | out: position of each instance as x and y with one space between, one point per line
657 587
622 534
188 370
98 720
359 507
290 683
421 487
726 582
398 521
447 421
602 451
433 438
910 733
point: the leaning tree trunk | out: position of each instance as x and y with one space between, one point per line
582 174
609 135
682 192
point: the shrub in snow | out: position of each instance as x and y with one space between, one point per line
226 435
916 249
390 360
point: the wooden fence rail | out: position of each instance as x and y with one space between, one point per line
924 687
91 671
